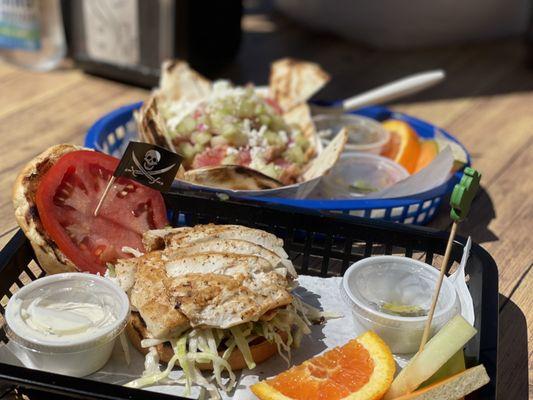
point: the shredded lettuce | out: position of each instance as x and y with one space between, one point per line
181 352
201 346
152 342
125 348
153 377
242 344
312 314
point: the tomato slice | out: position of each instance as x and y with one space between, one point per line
67 196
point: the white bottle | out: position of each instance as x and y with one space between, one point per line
31 33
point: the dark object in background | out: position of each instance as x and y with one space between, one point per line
126 40
529 40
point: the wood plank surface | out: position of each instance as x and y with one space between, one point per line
486 102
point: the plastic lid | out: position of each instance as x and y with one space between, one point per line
364 134
360 174
44 303
374 285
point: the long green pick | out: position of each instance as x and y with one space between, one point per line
460 201
463 194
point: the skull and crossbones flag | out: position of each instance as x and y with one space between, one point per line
150 165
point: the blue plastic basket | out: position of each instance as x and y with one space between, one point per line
111 133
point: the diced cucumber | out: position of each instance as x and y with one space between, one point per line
229 131
186 125
239 140
273 138
187 150
265 119
217 120
217 141
278 124
295 155
301 141
271 170
246 109
200 137
198 148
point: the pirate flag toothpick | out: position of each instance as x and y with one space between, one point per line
148 164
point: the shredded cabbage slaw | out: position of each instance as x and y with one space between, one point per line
200 346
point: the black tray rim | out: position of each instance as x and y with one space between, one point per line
87 389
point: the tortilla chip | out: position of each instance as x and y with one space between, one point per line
179 82
301 116
327 158
293 82
234 177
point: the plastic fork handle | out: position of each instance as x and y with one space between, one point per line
394 90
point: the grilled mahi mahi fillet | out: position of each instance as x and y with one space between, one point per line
213 276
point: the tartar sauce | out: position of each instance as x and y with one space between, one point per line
66 319
55 319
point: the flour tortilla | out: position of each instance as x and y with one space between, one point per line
152 126
293 82
233 177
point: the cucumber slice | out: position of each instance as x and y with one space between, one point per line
453 366
448 341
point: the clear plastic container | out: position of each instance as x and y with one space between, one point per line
392 295
34 37
360 174
47 330
364 134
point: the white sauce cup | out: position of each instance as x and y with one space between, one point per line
76 355
374 281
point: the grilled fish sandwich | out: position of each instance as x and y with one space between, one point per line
210 297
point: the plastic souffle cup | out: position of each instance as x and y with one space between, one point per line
79 346
360 174
364 134
381 290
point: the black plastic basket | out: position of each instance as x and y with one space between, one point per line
319 244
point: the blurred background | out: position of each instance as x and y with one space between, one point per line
361 43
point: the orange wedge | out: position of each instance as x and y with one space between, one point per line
404 145
362 369
428 151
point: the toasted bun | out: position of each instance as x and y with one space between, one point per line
136 331
51 259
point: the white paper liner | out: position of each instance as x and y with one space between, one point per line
323 293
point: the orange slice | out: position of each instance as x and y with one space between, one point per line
428 151
404 145
362 369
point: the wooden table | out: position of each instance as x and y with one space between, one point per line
487 102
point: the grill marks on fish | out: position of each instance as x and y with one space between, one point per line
207 276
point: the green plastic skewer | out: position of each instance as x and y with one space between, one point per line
460 202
